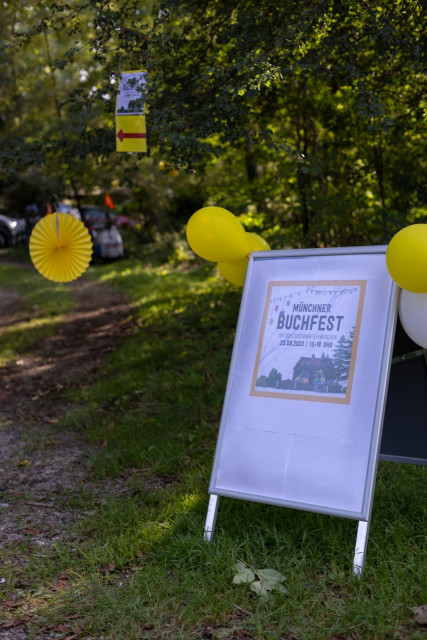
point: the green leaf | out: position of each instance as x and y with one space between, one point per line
263 588
259 588
270 575
280 588
244 573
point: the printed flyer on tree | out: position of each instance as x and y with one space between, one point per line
308 341
129 99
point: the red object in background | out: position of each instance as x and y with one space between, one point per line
48 208
108 202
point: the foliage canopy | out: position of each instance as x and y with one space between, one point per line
308 117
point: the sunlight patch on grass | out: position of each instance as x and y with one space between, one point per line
30 324
42 304
18 338
40 296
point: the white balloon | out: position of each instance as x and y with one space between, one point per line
413 316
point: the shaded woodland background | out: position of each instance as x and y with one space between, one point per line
306 119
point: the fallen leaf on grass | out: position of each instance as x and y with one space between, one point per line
420 614
72 634
263 587
268 579
244 573
12 622
31 532
60 628
223 633
108 568
62 583
270 575
40 504
12 605
148 632
65 576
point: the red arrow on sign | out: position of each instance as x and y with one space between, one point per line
121 135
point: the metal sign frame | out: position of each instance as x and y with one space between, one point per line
309 293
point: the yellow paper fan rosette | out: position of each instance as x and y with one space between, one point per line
60 247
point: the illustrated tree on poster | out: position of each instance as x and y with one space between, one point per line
342 357
271 380
274 377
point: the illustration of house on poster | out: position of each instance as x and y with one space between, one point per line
307 347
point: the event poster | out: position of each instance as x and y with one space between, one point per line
129 99
307 347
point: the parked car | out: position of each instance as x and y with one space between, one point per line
13 231
33 213
61 207
98 218
104 227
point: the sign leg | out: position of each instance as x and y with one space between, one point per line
211 517
361 546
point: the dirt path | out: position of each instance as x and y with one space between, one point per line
39 465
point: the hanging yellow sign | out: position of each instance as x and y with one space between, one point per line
130 115
131 134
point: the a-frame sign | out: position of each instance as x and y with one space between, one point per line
305 399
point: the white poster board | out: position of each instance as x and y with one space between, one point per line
304 404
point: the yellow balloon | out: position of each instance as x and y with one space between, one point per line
256 243
235 272
216 234
406 258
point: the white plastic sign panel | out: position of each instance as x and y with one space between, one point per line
304 404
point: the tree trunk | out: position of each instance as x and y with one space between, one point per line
379 170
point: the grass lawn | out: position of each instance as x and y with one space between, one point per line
140 567
43 304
